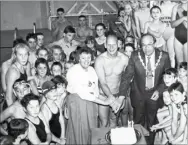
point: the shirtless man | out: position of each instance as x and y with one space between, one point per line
59 24
20 89
19 69
83 30
142 16
109 67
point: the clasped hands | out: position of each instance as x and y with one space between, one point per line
116 103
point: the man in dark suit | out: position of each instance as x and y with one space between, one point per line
146 67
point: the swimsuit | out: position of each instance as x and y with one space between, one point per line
55 126
100 47
180 30
23 76
40 130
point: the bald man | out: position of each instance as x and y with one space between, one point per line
109 67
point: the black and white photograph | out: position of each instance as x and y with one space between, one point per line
77 72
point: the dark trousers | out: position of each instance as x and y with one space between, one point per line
144 113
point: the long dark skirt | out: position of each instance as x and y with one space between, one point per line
82 117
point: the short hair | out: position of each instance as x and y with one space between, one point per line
42 61
39 33
100 24
17 127
21 45
120 9
29 97
41 48
69 29
89 39
147 34
129 45
19 40
176 86
74 56
183 65
59 79
84 50
56 64
121 39
155 7
59 48
18 81
31 35
171 71
60 10
82 16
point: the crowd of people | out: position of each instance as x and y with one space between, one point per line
134 72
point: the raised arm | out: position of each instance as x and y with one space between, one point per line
137 25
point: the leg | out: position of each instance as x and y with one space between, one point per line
104 115
130 109
171 52
178 50
185 52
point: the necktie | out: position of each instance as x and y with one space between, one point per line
149 75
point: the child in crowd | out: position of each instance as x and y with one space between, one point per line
38 131
68 65
120 44
128 49
53 113
90 43
18 129
179 120
40 40
57 69
74 56
182 75
57 55
42 73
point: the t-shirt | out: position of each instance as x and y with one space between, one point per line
82 82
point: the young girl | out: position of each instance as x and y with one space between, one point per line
156 27
42 73
179 121
57 69
100 40
182 75
53 113
38 131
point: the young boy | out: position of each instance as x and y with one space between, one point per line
120 44
182 75
129 48
40 40
57 69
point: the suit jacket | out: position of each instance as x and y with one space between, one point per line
136 71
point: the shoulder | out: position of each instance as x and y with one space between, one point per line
100 58
12 71
176 6
123 56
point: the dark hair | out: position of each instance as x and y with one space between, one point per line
171 71
74 56
17 127
120 9
19 40
41 48
69 29
147 34
59 79
31 35
60 10
6 140
29 97
129 45
100 24
155 7
58 64
17 81
39 33
89 39
42 61
82 16
176 86
183 65
85 50
121 39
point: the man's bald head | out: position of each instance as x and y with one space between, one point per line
111 37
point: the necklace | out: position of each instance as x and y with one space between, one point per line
144 65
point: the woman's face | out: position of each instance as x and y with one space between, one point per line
52 94
85 60
42 70
177 97
156 14
90 44
166 98
134 4
100 31
61 88
33 108
128 51
122 13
